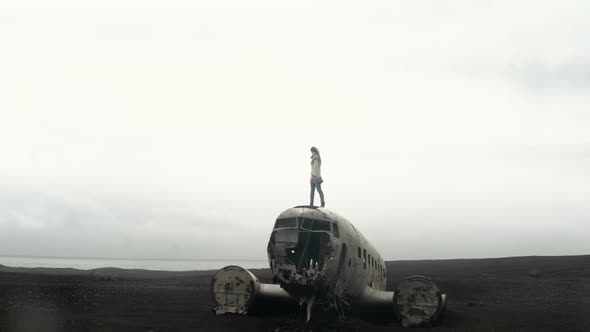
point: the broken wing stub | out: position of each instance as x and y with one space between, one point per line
418 301
235 290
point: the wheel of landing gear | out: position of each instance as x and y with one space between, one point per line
233 289
418 301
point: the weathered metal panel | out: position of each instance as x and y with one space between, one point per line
418 301
233 290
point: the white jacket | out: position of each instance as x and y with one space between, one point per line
316 163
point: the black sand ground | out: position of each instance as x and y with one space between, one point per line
484 295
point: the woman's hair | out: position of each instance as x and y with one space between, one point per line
315 150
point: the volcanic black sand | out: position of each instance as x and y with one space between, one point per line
505 294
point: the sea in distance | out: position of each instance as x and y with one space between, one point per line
144 264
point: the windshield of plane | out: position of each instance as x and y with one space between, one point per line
286 223
315 225
306 224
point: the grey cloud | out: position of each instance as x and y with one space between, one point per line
533 73
35 222
574 74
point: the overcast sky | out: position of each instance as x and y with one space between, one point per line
181 129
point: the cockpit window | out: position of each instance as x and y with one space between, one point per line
286 223
315 225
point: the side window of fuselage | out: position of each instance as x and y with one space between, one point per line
335 231
365 258
359 252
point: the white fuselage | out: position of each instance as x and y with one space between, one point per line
314 252
317 256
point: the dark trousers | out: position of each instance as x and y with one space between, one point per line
314 186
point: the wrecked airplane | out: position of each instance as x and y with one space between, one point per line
319 258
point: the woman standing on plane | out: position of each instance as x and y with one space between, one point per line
316 176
